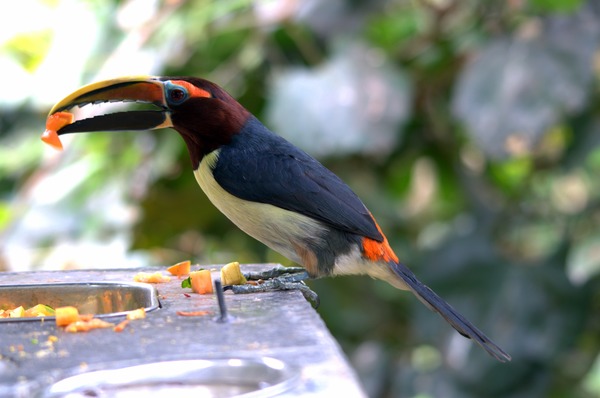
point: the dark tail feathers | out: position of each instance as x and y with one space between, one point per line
458 322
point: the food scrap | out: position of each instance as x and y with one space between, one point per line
14 313
193 313
201 282
180 269
70 318
73 322
87 325
148 277
121 326
54 123
66 315
140 313
39 310
232 275
35 311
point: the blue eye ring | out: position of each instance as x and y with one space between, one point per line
175 93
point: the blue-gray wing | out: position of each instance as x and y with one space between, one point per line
260 166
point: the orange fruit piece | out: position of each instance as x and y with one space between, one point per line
201 281
54 123
66 315
180 269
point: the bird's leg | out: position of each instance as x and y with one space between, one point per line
279 278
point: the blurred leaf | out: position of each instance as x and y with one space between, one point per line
30 48
593 159
511 174
556 5
5 215
391 29
592 380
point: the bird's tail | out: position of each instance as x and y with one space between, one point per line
437 304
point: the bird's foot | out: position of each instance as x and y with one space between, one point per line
280 278
275 272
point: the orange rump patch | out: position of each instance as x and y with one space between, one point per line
378 251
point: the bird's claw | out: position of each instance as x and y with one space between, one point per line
280 278
275 273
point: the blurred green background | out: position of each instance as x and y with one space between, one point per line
471 129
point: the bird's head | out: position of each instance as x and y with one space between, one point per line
204 114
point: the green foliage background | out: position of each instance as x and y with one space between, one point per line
469 128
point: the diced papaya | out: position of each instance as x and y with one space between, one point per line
58 120
51 138
54 123
201 281
66 315
180 269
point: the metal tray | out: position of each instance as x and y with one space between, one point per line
234 377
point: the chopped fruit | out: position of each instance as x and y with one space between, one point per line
193 313
121 326
232 275
140 313
54 123
18 312
84 326
148 277
39 310
70 318
86 317
180 269
201 281
66 315
51 138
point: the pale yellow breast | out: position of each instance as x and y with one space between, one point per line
275 227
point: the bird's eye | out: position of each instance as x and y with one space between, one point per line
176 94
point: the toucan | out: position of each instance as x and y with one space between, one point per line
265 185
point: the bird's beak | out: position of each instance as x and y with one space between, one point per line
144 89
